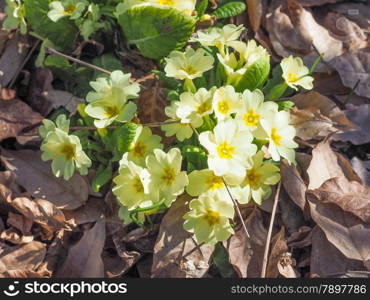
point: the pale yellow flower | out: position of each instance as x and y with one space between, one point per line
202 181
295 73
226 102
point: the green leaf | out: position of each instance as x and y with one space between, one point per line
103 176
229 9
220 258
255 76
285 105
201 8
156 31
62 33
108 61
277 91
123 137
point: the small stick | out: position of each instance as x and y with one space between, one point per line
268 239
76 60
351 93
154 124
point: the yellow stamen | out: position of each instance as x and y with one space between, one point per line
69 9
168 176
292 77
189 70
276 138
138 150
111 111
68 151
224 150
251 118
204 107
253 178
223 107
212 217
214 182
138 185
166 2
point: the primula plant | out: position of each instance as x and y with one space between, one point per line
230 127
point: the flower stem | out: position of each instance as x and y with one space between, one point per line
189 86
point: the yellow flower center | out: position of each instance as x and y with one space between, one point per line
212 217
168 176
69 9
214 182
111 111
138 150
276 138
292 77
166 2
253 178
189 70
204 107
68 151
225 150
223 107
138 185
251 118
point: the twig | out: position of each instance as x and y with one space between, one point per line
237 210
23 63
154 124
268 239
76 60
351 93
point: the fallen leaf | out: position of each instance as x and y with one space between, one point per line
176 254
286 265
343 230
36 177
351 196
362 168
278 248
300 238
90 212
327 260
360 116
20 222
316 116
13 236
25 257
354 67
15 116
84 258
255 11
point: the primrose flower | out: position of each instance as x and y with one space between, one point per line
258 179
48 126
226 102
276 129
229 148
194 107
166 175
66 154
15 16
295 73
61 9
189 64
254 108
132 186
219 37
109 102
143 144
236 65
181 127
185 6
209 217
202 181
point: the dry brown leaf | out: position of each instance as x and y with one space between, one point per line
349 195
316 116
36 177
26 257
84 258
327 260
360 116
278 248
286 266
255 11
13 236
90 212
362 168
15 51
15 116
300 238
317 2
357 12
176 254
345 231
20 274
20 222
240 252
353 67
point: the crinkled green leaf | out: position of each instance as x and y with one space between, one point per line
202 7
122 139
61 33
103 176
156 31
221 259
229 9
255 76
195 156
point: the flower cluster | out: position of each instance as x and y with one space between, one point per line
244 136
63 149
